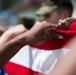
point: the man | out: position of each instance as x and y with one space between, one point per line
41 58
18 41
25 38
52 12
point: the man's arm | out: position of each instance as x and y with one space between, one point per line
36 35
8 50
12 33
67 64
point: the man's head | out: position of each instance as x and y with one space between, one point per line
56 11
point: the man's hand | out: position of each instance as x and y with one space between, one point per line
65 24
40 32
36 35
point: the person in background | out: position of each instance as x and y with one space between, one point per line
53 10
5 45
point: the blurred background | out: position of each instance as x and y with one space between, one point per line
12 10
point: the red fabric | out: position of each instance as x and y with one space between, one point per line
73 26
68 34
18 69
50 44
59 43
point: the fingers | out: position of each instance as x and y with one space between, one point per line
67 19
53 26
65 24
37 23
54 36
49 25
46 25
71 19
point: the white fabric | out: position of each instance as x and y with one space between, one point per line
36 59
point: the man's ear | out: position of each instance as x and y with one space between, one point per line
65 14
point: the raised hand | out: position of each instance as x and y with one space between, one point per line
65 24
39 33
